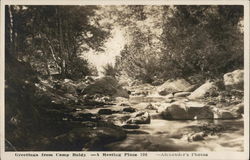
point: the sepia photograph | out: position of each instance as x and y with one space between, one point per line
123 78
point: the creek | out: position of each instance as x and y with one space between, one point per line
171 135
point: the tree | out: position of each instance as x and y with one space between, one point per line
179 41
202 40
55 36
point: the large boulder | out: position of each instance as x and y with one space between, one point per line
140 117
161 108
107 86
203 113
176 112
229 112
182 111
172 86
234 80
208 88
227 115
238 109
223 114
199 110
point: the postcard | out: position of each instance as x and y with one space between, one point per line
127 79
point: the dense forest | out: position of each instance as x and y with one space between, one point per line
47 77
163 41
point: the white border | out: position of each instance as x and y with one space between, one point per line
125 2
151 155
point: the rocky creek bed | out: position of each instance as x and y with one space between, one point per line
145 123
181 135
175 116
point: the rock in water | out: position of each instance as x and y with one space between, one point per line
140 117
171 86
176 112
222 114
105 111
180 111
131 126
203 90
205 113
129 109
234 80
197 136
238 109
227 115
151 107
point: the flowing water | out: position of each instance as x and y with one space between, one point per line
169 135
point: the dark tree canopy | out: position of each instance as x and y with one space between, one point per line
51 38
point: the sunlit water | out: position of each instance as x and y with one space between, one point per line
160 132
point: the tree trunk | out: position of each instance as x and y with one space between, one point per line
45 58
13 31
61 42
9 34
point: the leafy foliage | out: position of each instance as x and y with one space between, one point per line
180 41
202 40
52 38
78 68
110 70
